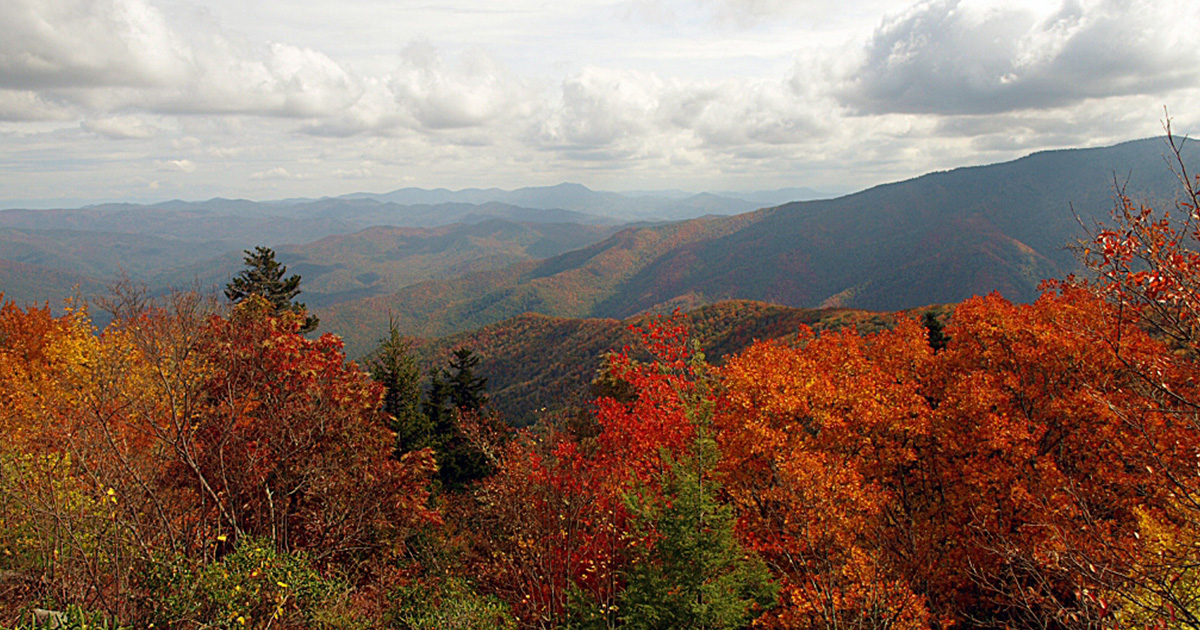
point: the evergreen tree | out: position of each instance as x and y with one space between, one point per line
453 392
935 331
393 366
697 574
263 276
468 392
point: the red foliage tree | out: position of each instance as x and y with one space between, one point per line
554 522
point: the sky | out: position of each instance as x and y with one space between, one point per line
146 100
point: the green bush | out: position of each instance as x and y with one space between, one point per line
449 604
71 618
255 586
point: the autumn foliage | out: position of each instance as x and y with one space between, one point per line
1022 466
176 433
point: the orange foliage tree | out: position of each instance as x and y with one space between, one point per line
176 432
568 525
997 482
1146 265
812 438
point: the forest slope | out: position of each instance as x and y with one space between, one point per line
537 364
938 238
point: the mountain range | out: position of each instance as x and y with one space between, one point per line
443 262
180 243
938 238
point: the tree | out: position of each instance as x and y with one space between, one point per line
1146 264
468 392
697 574
393 366
935 330
263 276
177 433
455 397
812 437
562 521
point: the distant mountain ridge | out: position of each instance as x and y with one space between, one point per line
636 205
938 238
174 243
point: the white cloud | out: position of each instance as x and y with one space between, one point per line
361 172
738 113
477 91
120 127
123 54
275 173
600 108
182 166
661 92
954 57
78 43
27 105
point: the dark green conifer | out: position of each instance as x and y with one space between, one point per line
393 366
935 330
263 276
697 574
468 392
454 392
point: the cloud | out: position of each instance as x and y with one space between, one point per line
954 57
739 113
276 80
74 43
361 172
27 105
725 14
273 174
601 107
182 166
124 54
120 127
477 91
748 12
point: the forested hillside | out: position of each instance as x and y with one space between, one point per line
1024 465
538 365
179 243
939 238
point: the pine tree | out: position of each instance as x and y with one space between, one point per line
468 392
453 392
687 568
263 276
935 331
697 574
393 366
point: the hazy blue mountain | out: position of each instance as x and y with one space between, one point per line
176 243
338 267
26 284
660 205
938 238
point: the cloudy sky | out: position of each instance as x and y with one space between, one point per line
158 99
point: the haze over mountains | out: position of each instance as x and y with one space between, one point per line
443 262
178 243
938 238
